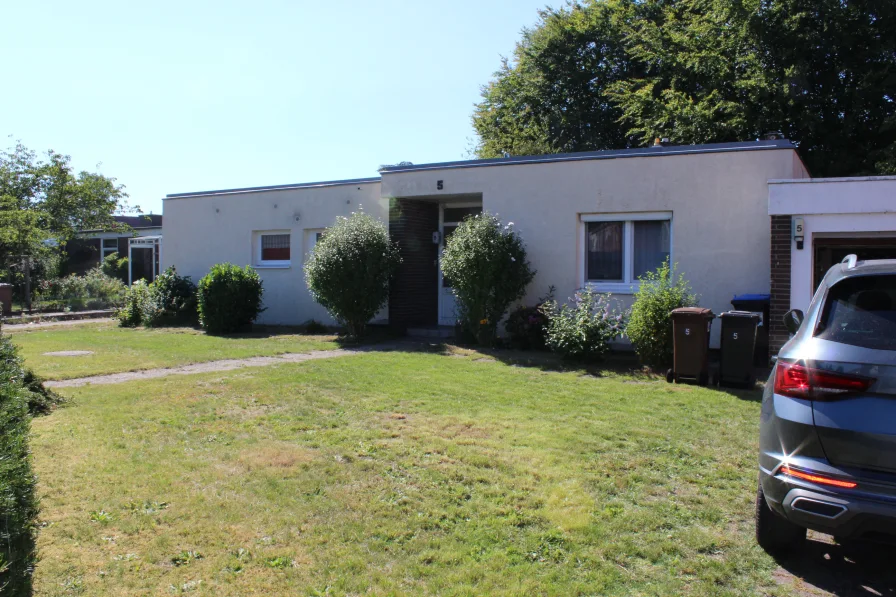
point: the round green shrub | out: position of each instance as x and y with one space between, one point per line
650 320
487 266
349 270
229 298
583 331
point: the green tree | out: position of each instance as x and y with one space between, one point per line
44 203
553 96
697 71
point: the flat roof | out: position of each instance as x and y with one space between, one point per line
833 180
608 154
281 187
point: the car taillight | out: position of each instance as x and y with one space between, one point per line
799 381
816 478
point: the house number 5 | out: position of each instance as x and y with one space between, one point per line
734 335
440 184
687 331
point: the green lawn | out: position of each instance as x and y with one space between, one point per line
400 474
118 349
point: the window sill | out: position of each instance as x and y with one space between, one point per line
273 266
614 287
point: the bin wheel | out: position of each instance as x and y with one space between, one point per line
670 376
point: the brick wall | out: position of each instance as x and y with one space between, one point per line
780 282
413 296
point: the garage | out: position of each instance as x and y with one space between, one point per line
815 223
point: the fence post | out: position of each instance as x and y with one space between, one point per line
26 270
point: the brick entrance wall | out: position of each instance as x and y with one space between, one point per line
413 296
780 282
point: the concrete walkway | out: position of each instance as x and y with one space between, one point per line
213 366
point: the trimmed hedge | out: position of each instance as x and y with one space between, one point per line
229 298
18 503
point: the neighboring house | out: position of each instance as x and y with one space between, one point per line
815 223
90 247
599 219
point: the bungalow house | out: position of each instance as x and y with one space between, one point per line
88 250
599 219
815 223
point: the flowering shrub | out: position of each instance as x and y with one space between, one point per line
136 302
527 326
583 331
93 290
487 266
650 320
349 271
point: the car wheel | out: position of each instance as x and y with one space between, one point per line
670 376
776 535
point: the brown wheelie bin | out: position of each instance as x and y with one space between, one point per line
690 332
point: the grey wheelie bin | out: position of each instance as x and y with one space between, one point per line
760 305
690 332
739 329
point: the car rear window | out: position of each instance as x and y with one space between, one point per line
861 311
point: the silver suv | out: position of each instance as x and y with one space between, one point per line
827 458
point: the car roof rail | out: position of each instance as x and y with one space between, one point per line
850 261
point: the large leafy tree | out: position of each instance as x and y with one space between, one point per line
821 71
43 202
553 96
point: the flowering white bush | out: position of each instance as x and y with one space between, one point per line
487 266
584 330
349 271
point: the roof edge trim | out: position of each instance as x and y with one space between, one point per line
284 187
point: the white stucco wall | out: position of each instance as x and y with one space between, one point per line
835 207
207 229
720 226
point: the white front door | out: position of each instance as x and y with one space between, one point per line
450 217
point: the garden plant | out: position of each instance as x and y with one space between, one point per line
488 269
350 269
230 298
583 330
649 325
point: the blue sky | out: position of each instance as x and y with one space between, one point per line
184 96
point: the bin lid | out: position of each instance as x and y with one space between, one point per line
743 314
694 311
752 297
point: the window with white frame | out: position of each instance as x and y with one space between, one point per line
312 237
110 245
620 248
273 249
